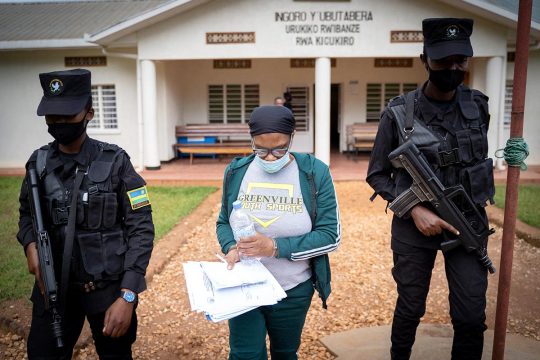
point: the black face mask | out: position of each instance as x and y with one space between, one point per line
446 80
66 133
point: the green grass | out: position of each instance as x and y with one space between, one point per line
528 203
169 205
15 282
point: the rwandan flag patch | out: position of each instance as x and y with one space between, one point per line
138 197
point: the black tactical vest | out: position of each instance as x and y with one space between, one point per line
467 163
99 245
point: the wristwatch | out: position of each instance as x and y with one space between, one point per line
129 296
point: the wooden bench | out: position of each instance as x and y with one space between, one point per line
231 139
361 136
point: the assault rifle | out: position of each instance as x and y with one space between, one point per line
46 265
452 204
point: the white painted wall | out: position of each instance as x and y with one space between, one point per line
184 36
22 131
531 127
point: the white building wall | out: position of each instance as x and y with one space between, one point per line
22 131
184 36
531 126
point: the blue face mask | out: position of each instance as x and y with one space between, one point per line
272 166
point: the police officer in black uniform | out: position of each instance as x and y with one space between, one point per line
101 252
450 129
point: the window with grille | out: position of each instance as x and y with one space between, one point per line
300 106
509 90
104 104
378 95
231 103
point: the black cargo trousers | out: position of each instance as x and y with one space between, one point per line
41 344
467 283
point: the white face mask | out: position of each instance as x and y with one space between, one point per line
273 166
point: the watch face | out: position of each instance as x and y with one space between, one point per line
129 296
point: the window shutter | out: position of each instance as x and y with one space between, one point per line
234 103
251 100
300 106
509 90
104 104
108 107
407 87
95 123
373 102
391 91
215 103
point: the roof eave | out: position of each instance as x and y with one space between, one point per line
153 16
45 44
493 13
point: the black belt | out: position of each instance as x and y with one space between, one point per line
90 286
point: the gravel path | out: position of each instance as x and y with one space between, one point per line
363 289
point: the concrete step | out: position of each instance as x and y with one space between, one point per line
433 342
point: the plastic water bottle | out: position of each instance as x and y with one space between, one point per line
241 224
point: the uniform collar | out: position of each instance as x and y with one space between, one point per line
54 160
431 112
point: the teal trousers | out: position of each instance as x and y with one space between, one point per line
283 322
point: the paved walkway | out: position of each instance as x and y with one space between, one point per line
433 342
207 171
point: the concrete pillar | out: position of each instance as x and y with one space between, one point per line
495 84
149 114
322 109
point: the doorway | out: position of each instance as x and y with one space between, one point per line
335 122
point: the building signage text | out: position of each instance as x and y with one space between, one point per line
330 28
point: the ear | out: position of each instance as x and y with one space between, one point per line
424 60
90 114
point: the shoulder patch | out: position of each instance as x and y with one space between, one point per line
138 198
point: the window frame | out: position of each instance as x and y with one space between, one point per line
307 105
244 112
98 112
383 97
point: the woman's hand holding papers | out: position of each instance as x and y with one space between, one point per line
232 257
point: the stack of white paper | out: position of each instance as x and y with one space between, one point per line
223 294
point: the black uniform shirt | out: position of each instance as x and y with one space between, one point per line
440 118
137 224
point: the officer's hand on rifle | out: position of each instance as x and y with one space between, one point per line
429 223
32 259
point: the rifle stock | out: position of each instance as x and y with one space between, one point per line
46 264
452 204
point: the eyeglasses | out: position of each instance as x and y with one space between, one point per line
276 152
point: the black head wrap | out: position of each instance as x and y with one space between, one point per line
271 119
